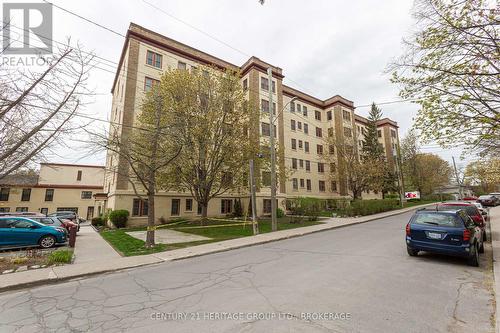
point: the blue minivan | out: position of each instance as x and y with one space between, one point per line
446 232
23 232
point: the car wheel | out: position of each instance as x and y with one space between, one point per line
47 241
411 252
474 257
484 236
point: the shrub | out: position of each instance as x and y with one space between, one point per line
280 213
119 217
60 257
97 221
306 206
238 208
368 207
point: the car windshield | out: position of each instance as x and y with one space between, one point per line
443 220
471 210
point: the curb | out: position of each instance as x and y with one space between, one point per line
53 279
495 247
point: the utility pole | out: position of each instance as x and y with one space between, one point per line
254 200
398 175
274 222
458 179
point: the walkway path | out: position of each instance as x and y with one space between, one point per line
90 246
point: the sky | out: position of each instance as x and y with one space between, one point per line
325 47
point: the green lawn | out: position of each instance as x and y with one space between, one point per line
327 213
130 246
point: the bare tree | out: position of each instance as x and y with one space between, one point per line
38 105
152 145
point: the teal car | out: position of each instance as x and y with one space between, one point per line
23 232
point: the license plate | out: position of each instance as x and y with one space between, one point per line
434 235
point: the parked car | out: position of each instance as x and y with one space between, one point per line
497 196
469 208
55 222
483 210
469 199
446 232
68 215
21 214
488 200
16 231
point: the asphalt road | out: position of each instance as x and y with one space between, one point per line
353 279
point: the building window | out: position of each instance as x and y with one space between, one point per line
226 206
266 203
299 125
189 205
264 83
266 178
21 209
308 184
302 184
308 165
379 133
26 195
245 84
331 149
317 115
292 107
294 163
266 129
304 110
79 175
175 208
306 128
334 186
300 144
393 133
319 149
347 132
140 207
86 195
306 146
292 124
346 115
299 108
149 83
321 184
333 167
294 144
330 132
321 167
4 194
329 115
181 65
4 209
49 194
301 164
295 184
264 105
153 59
319 132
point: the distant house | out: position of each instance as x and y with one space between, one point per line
454 190
56 187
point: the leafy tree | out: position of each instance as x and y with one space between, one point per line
409 150
214 132
432 173
484 175
451 69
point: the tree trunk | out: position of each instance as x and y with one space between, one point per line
204 210
150 235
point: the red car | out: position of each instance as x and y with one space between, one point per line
471 210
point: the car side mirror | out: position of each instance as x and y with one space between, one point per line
484 212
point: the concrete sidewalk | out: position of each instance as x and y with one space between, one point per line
91 247
495 245
101 263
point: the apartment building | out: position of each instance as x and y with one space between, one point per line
57 187
302 126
